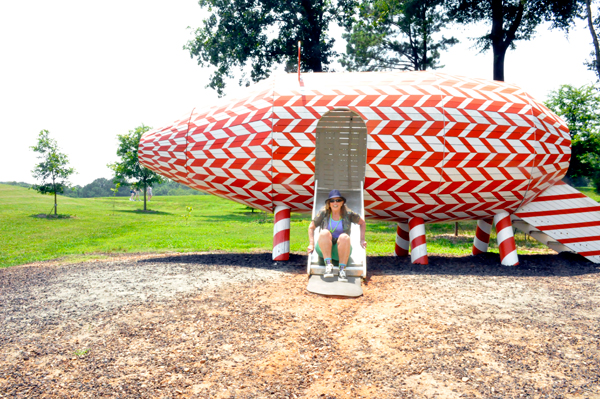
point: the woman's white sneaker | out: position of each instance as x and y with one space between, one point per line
328 270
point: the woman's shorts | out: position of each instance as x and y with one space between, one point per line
334 251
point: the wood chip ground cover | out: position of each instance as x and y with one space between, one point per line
241 326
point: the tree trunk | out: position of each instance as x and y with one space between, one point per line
425 37
594 37
54 188
312 45
455 229
496 35
144 197
499 56
500 43
416 58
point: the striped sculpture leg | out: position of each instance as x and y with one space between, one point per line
281 233
506 240
402 240
418 244
482 236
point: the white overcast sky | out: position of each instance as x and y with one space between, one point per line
87 71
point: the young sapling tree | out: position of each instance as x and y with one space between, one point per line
129 169
53 171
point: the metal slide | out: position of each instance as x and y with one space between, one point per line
564 219
356 269
340 163
357 265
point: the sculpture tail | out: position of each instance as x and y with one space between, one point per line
564 219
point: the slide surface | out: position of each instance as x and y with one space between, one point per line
566 218
357 263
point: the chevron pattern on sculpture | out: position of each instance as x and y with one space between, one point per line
163 150
229 150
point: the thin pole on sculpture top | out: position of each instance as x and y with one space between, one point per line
299 44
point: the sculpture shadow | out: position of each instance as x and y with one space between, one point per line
246 216
141 211
296 263
488 264
482 265
51 216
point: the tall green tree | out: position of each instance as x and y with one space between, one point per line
594 28
396 34
580 108
53 171
511 21
262 34
129 170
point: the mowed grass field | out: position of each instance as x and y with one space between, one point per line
100 226
590 192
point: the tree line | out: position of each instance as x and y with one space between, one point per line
103 187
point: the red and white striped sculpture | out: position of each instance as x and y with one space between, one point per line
439 147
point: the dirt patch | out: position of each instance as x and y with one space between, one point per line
241 326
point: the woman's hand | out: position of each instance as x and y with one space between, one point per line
311 238
363 228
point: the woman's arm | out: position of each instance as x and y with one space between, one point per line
311 237
363 229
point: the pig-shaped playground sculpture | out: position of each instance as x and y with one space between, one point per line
416 148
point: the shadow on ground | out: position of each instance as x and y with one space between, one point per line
148 212
481 265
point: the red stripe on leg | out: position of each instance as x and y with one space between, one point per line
423 260
282 214
419 240
282 236
503 223
507 246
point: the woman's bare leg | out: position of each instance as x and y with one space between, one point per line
343 244
325 243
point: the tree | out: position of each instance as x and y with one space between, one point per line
511 21
53 171
594 27
580 108
115 191
129 168
396 34
262 34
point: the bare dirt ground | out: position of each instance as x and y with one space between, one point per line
240 326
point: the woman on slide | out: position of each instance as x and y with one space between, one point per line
335 220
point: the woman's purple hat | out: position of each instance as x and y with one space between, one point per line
335 194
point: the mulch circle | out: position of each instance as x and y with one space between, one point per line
52 216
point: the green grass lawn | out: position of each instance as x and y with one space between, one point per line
590 192
107 225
